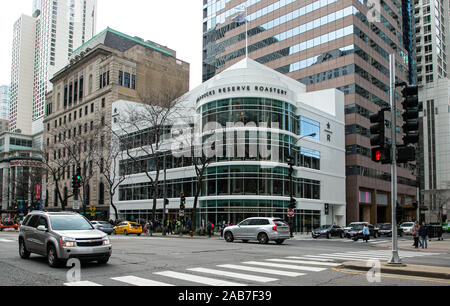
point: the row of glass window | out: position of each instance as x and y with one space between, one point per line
377 174
303 157
249 185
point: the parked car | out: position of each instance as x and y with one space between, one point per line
385 229
328 231
62 236
9 224
407 227
356 231
128 228
103 226
262 230
446 227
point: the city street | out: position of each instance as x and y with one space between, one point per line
157 261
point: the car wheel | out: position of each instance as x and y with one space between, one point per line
341 235
328 236
139 235
263 239
279 242
52 257
229 237
24 254
103 261
375 235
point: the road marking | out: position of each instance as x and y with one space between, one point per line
302 262
344 257
292 267
248 277
357 255
142 282
306 258
198 279
82 284
260 270
6 240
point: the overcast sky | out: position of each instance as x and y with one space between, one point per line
176 24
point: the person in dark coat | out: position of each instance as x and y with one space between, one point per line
423 234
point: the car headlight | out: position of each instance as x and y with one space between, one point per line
67 242
106 241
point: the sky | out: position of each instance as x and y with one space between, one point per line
176 24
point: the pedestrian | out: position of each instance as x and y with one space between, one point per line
415 234
150 228
145 228
209 229
222 229
366 233
423 233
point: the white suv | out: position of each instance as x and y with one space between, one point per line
261 229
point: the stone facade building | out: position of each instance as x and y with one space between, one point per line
111 66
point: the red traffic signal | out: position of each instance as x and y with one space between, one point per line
382 155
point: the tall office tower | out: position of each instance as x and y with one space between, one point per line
59 27
22 75
5 98
432 41
327 44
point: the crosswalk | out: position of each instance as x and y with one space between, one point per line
6 240
371 242
253 272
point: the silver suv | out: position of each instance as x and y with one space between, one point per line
261 229
61 236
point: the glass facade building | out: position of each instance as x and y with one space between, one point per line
251 108
327 44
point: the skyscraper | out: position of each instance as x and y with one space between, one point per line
55 30
5 98
327 44
432 41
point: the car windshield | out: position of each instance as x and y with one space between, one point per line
69 223
407 224
385 226
324 227
358 227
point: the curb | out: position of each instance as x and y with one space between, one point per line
405 270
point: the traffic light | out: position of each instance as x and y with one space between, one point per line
406 154
378 130
327 209
411 115
382 155
293 204
183 202
76 182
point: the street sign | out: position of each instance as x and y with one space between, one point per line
92 209
181 213
291 213
76 205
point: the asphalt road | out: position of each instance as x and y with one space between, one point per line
204 262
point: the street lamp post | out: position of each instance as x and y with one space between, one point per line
291 162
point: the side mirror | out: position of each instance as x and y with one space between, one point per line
42 228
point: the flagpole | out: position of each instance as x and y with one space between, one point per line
246 33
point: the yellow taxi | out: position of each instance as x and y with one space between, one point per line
128 228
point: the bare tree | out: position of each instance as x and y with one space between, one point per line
142 131
107 161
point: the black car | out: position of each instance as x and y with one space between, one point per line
356 232
386 230
328 231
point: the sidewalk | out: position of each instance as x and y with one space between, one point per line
410 270
434 246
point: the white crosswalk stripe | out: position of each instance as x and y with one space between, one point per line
6 240
142 282
284 266
382 255
261 270
248 277
198 279
306 258
302 262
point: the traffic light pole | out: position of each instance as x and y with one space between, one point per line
395 260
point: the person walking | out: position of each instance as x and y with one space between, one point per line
423 234
150 228
209 228
415 234
366 233
222 229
